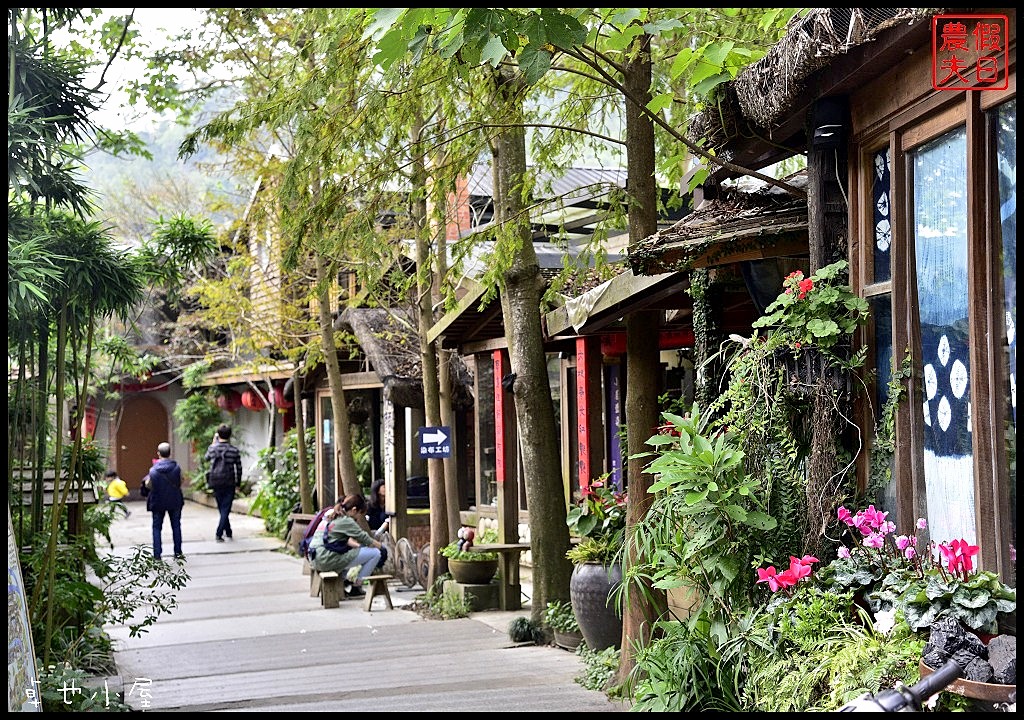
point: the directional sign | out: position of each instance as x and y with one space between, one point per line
435 442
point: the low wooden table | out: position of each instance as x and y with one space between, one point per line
510 592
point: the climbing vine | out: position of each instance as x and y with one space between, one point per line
884 446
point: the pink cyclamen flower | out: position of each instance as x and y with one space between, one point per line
910 553
874 540
797 569
902 542
922 523
788 578
844 552
845 516
768 575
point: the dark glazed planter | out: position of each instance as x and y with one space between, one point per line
590 589
472 572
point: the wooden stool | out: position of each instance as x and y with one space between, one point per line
378 585
332 589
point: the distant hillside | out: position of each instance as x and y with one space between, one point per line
132 193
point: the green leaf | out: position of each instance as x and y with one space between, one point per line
736 513
660 102
563 31
383 19
493 52
692 498
705 87
620 40
534 62
683 60
760 521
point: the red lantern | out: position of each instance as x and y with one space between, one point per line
252 400
229 400
281 401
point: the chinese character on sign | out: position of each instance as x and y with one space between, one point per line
73 690
969 52
106 694
142 686
33 694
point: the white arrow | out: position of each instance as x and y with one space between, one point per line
434 437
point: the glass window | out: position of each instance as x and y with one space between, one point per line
881 328
939 186
1006 160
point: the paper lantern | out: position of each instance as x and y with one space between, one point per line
252 400
281 400
229 400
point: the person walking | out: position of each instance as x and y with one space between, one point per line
224 476
165 498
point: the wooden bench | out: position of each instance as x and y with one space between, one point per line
377 585
510 592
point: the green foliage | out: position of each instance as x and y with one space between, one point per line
676 670
446 604
65 688
454 551
522 629
815 311
884 446
558 615
277 484
705 522
94 590
814 652
196 417
598 667
599 518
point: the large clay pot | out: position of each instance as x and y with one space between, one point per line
593 602
472 572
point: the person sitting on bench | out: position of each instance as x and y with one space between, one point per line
344 544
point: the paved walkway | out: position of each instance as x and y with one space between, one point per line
247 636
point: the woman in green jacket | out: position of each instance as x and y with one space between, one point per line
343 544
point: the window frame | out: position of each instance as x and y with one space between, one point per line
905 130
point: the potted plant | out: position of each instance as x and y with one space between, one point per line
599 521
811 320
468 566
558 616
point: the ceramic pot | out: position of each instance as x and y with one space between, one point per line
472 572
591 591
568 640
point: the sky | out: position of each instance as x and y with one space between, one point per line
154 24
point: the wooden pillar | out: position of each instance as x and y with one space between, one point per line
506 454
483 419
589 427
392 433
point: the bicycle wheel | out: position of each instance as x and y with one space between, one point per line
405 562
423 566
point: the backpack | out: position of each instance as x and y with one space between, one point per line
307 537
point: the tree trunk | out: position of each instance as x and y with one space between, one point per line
520 302
344 465
428 359
305 495
642 358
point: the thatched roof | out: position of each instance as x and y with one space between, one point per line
737 225
768 90
387 336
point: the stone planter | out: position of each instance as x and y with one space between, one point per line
591 591
473 572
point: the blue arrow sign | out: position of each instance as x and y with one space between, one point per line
435 442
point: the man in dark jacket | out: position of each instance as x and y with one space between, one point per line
224 476
165 498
